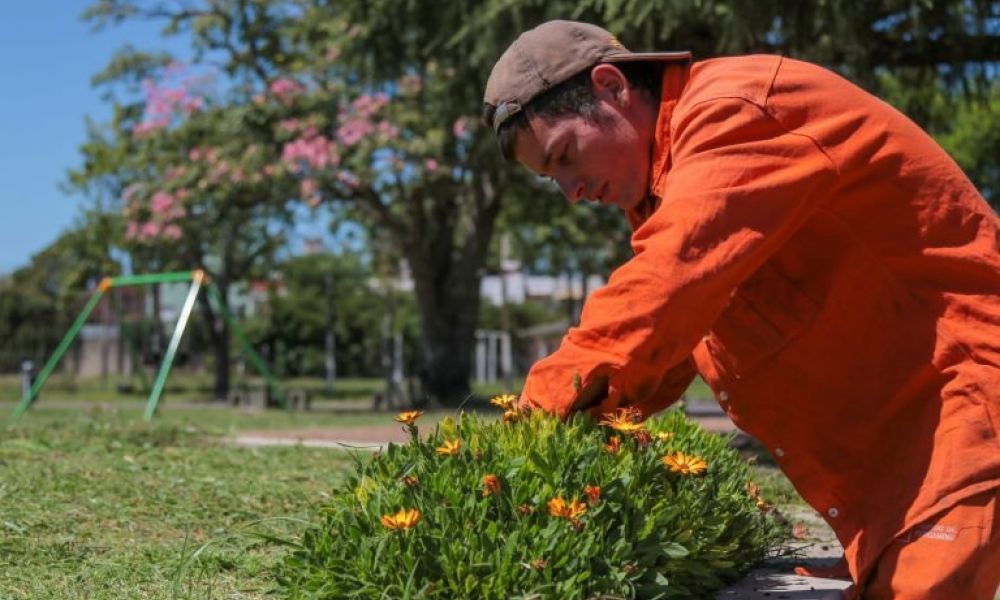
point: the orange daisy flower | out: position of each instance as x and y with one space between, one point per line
402 520
614 445
409 417
450 447
511 415
593 493
624 420
558 507
491 484
504 401
685 464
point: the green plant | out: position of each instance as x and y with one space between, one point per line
533 507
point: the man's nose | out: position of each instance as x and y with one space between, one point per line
573 188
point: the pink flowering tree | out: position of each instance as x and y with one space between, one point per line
199 180
369 110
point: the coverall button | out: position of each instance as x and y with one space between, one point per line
779 452
833 512
723 396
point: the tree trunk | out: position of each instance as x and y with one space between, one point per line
449 314
446 270
218 330
220 343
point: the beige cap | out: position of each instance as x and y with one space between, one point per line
544 57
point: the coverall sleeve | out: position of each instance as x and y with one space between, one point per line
741 184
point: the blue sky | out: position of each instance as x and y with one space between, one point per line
47 56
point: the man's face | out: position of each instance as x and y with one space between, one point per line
605 162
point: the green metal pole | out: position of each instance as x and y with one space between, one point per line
61 348
154 278
258 362
168 359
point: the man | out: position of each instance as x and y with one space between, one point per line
825 267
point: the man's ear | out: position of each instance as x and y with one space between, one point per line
610 84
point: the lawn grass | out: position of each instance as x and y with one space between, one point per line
96 505
190 387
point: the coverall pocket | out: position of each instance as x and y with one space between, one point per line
764 314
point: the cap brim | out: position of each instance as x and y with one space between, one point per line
648 56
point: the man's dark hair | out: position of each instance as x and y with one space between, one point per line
575 96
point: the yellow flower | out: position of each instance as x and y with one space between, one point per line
504 401
404 519
510 415
685 464
409 481
665 436
450 447
626 420
491 484
409 417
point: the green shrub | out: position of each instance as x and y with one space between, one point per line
515 512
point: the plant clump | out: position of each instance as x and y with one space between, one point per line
529 506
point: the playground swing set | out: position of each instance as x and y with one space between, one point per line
199 281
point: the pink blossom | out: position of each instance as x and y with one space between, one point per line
169 99
460 128
192 105
285 89
161 202
353 131
129 192
348 179
149 230
366 105
268 170
147 127
175 172
218 172
172 232
308 186
387 130
290 125
431 165
175 213
310 150
194 154
131 230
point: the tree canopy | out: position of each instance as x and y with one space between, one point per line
371 108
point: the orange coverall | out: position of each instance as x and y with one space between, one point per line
835 278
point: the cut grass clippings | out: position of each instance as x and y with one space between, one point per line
96 506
